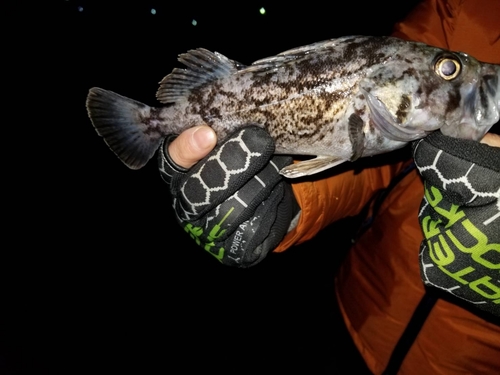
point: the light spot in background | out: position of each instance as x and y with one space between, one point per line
262 11
153 11
80 9
194 22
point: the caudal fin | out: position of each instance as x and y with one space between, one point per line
126 126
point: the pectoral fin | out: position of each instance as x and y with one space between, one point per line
356 136
311 166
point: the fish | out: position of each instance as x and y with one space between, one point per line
332 101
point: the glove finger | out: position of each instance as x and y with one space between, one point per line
275 223
223 172
242 205
254 238
465 149
457 168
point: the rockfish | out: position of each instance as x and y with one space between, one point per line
338 100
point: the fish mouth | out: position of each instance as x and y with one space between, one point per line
387 124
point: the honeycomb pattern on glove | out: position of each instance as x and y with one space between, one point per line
467 184
212 181
232 159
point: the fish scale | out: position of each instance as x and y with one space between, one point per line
338 100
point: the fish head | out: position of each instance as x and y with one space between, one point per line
479 107
421 89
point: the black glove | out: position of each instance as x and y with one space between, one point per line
460 218
233 203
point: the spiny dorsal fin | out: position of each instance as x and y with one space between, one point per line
296 54
203 66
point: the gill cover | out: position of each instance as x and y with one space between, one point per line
387 123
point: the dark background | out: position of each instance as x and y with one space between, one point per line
97 276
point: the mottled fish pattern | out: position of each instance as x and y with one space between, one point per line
339 100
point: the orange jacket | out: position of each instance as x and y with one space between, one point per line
379 285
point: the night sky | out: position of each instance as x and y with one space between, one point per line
105 279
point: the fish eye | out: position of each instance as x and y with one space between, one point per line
448 67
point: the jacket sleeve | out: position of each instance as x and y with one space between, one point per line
449 24
327 200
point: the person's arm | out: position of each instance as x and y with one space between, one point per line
327 200
459 212
324 201
470 26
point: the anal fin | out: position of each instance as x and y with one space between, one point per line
311 166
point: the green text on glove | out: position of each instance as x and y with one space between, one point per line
196 233
444 238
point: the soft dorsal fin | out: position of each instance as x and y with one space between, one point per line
202 66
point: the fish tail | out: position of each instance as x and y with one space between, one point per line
130 128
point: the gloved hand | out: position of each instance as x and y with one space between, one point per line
460 218
233 203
